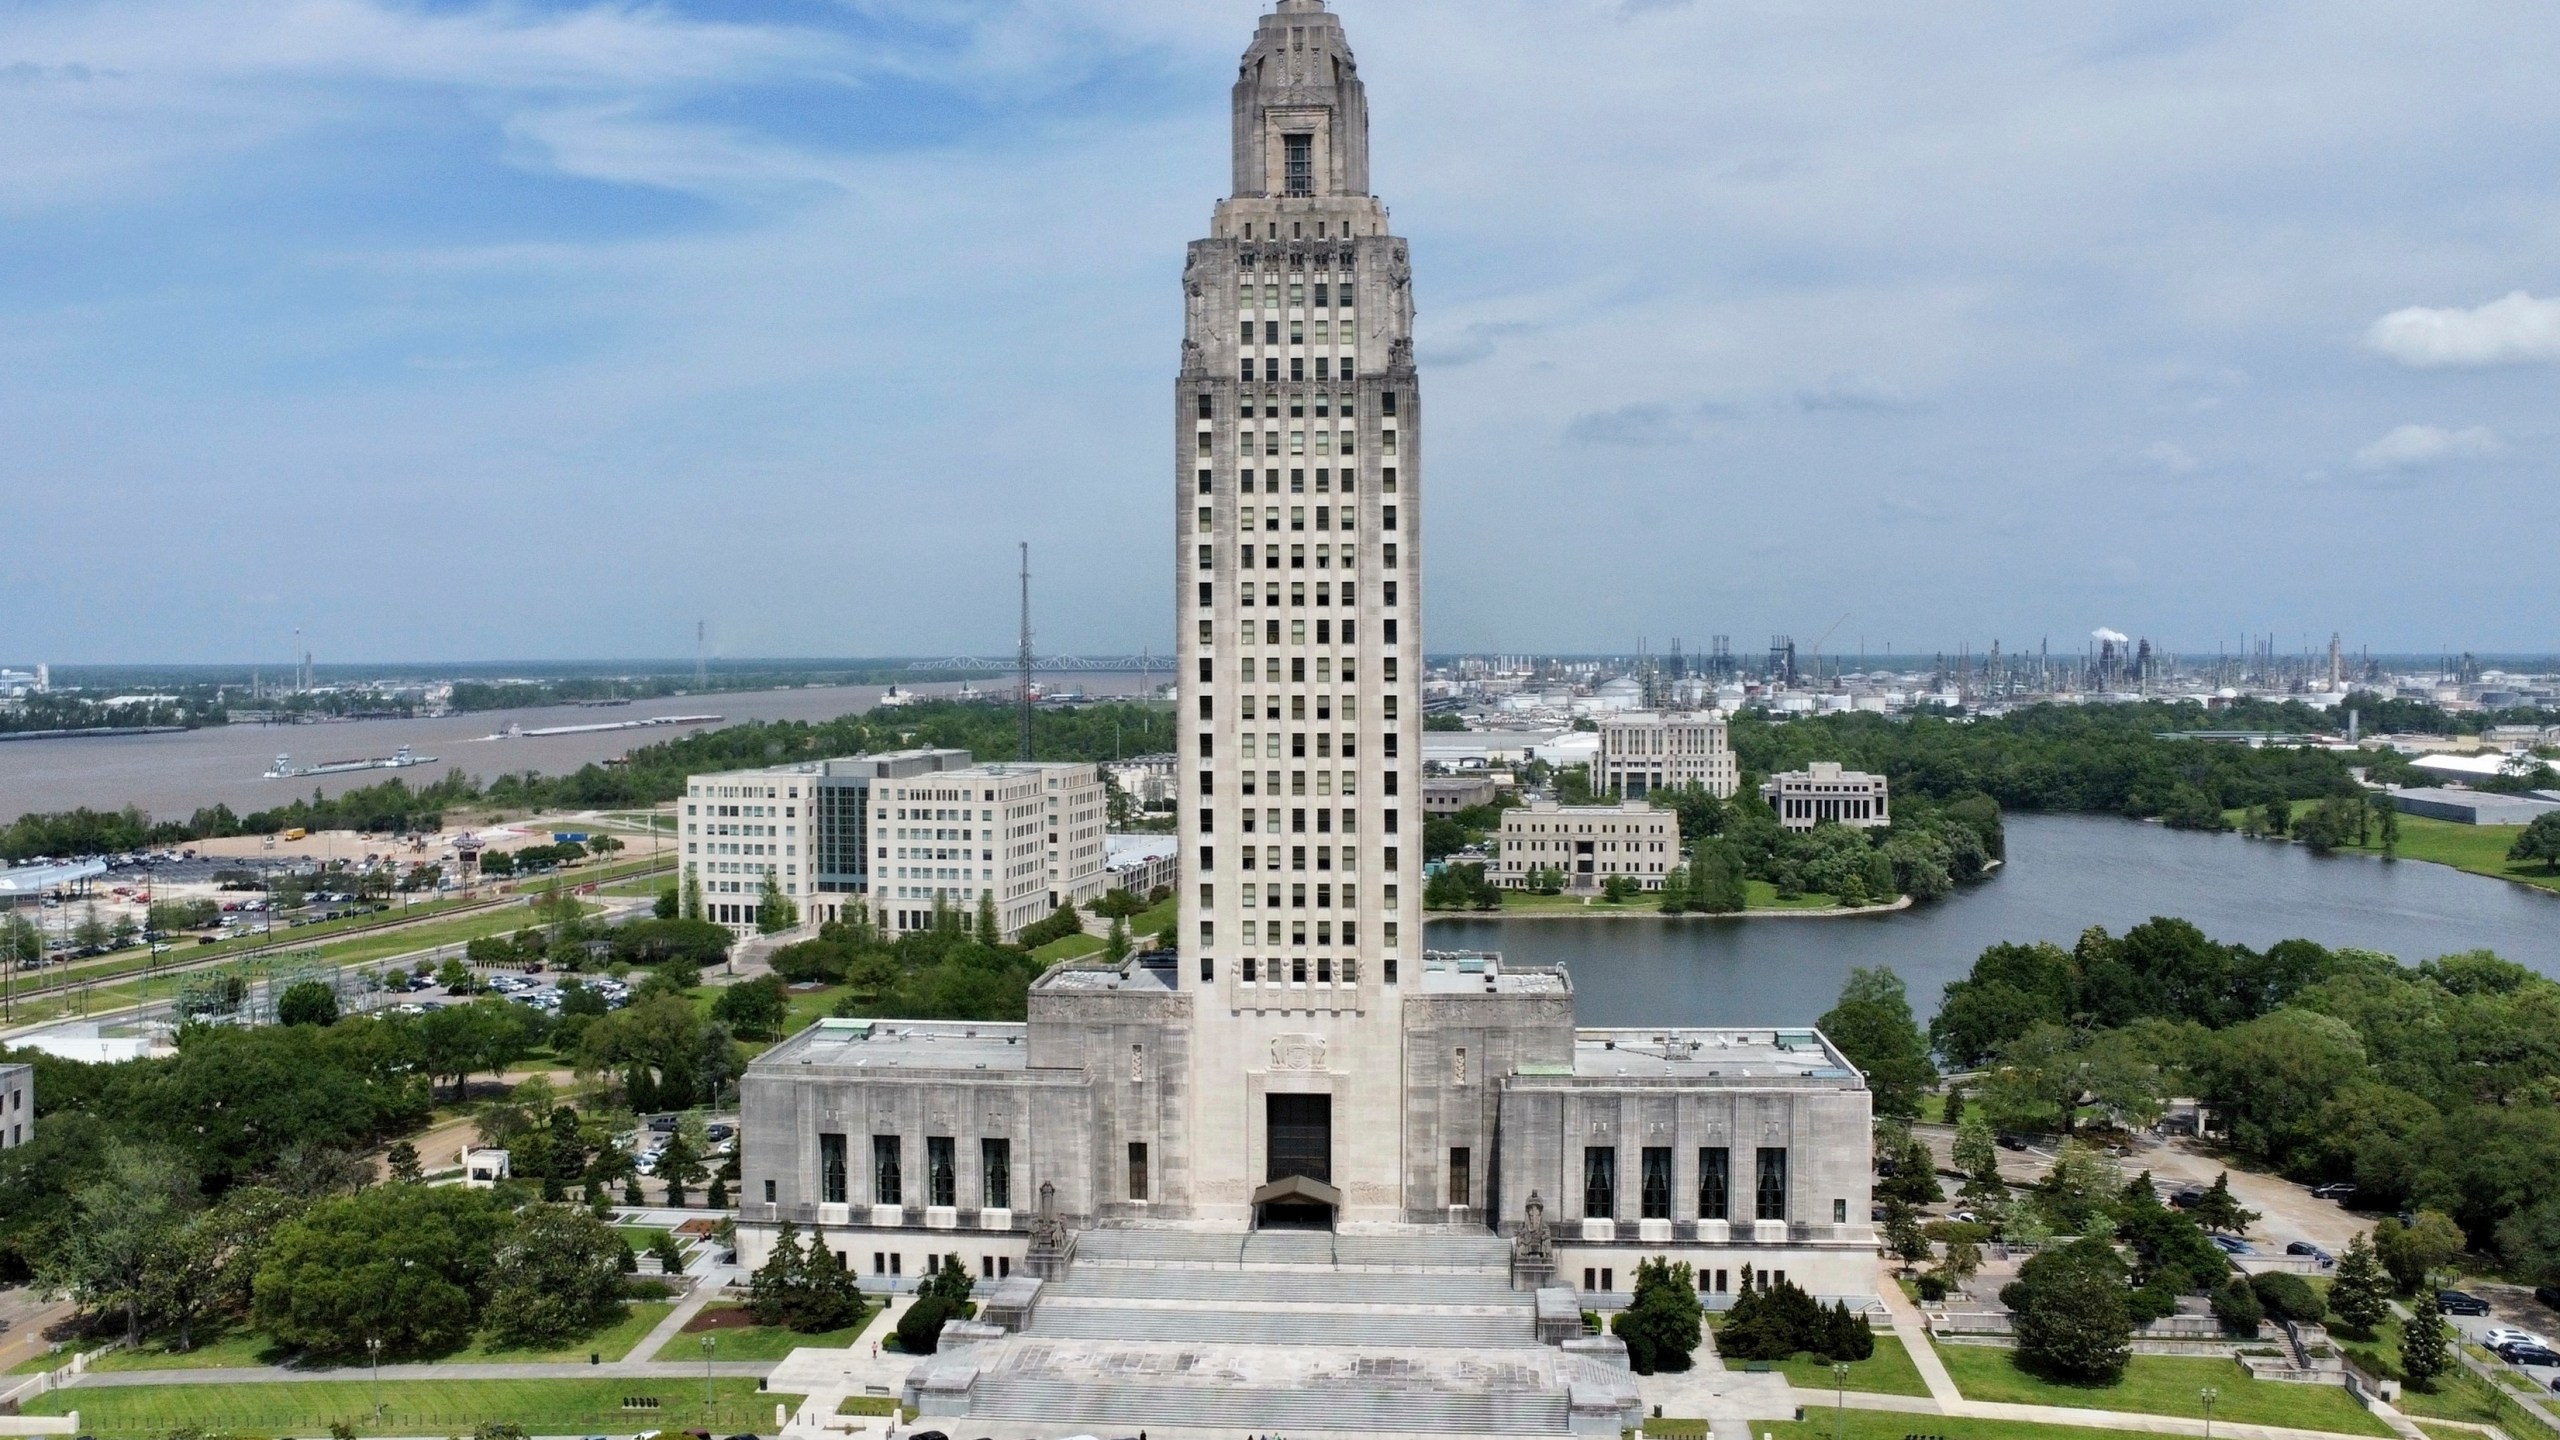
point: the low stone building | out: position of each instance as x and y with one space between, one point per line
1587 844
1805 798
1449 794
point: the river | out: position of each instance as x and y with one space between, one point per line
2065 873
169 776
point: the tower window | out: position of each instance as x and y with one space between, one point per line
1299 151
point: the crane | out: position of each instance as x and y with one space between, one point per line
1833 629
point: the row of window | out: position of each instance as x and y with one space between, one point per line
1271 853
1653 1191
1296 295
1300 332
1300 969
1268 708
1325 402
941 1167
1298 897
1207 481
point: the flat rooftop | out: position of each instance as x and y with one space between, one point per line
1481 972
1157 972
853 1046
1710 1054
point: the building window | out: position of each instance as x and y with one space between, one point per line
1655 1198
1715 1183
1771 1190
886 1187
831 1169
1137 1169
1461 1176
995 1166
768 1192
941 1171
1299 162
1600 1182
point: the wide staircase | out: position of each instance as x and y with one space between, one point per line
1413 1333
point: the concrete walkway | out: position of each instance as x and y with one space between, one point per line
548 1370
1912 1329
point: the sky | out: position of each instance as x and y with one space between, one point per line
452 330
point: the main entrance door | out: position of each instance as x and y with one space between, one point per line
1299 1136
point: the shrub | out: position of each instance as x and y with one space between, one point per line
1662 1321
1933 1286
2289 1297
2237 1307
920 1329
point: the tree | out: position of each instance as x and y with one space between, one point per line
1115 945
773 1292
2361 1293
987 931
402 1160
1977 1154
2289 1297
2425 1350
691 903
679 1165
1662 1321
2410 1252
920 1329
2218 1210
2540 841
2069 1313
121 1233
753 1007
775 911
2237 1307
556 1276
669 904
1951 1110
2078 1194
308 1002
403 1264
1872 1025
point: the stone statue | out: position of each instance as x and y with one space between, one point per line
1046 1232
1534 1241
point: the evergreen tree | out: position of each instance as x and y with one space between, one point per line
1675 890
988 934
2425 1353
773 1291
1663 1319
1115 946
2218 1210
775 911
669 905
1952 1113
2361 1294
692 901
403 1160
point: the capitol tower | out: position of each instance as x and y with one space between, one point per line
1298 561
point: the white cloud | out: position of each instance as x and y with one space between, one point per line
2167 458
2411 447
2516 330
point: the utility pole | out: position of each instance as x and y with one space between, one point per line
1023 661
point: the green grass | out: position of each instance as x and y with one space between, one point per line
1821 1422
1068 947
42 1356
2459 1394
2480 849
1761 896
415 1407
247 1348
867 1405
758 1342
2165 1385
1889 1371
612 1343
224 1351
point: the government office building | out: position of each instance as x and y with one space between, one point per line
1302 1061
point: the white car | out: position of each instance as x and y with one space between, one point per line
2509 1335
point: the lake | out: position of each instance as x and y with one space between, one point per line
2065 873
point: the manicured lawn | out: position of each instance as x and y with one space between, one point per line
1068 947
2480 849
1821 1422
2165 1385
248 1348
416 1407
212 1352
1889 1371
756 1342
613 1342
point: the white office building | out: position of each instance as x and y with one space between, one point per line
1648 750
1806 798
1030 836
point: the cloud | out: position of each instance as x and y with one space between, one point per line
1476 342
1856 393
1640 426
2168 459
2516 330
2414 447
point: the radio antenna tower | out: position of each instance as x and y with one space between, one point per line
701 670
1023 661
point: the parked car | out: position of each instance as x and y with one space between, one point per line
2305 1247
2456 1302
2012 1142
2232 1245
2528 1354
2187 1199
2498 1336
2548 1295
664 1124
2338 1190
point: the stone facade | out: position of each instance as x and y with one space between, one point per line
1645 751
1823 791
17 1105
1587 844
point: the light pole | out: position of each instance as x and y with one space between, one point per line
707 1342
373 1348
2208 1395
1840 1400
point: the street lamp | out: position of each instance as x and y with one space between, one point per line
2208 1395
707 1342
1840 1399
373 1348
